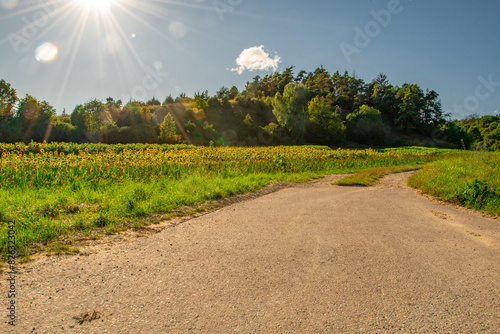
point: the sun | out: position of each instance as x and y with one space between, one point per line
97 5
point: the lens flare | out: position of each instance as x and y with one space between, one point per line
110 45
158 65
198 114
46 53
9 4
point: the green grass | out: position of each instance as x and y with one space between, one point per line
368 177
61 249
471 179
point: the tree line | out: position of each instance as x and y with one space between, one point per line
482 133
283 108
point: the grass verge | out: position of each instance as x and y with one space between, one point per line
368 177
46 219
471 179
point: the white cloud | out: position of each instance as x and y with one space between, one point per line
256 59
496 112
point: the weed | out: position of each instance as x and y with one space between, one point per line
139 212
137 225
112 229
129 204
475 194
80 225
60 249
280 162
101 221
139 194
49 210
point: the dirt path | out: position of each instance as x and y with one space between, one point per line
305 259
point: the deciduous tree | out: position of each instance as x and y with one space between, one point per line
291 110
8 99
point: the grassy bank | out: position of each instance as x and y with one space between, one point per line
471 179
54 191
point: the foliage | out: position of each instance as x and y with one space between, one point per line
168 131
92 119
325 127
291 111
35 118
476 194
411 97
456 134
365 126
8 98
314 108
484 131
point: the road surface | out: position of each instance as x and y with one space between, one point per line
310 258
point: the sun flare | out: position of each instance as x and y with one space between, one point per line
98 5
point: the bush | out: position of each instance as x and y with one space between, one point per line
365 126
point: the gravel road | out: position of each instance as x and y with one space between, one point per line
310 258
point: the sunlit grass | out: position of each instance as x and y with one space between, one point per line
368 177
471 179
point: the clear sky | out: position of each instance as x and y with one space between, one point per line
68 52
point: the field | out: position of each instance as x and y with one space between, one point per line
471 179
54 191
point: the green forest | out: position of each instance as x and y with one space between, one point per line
280 109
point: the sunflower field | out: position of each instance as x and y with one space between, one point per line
53 190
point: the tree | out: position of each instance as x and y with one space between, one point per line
35 118
114 108
135 114
325 127
168 131
382 96
350 92
222 93
92 118
282 80
365 126
183 98
254 89
432 112
202 95
483 133
412 102
153 102
291 111
8 99
169 100
62 131
233 92
320 83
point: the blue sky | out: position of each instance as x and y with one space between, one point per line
71 51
